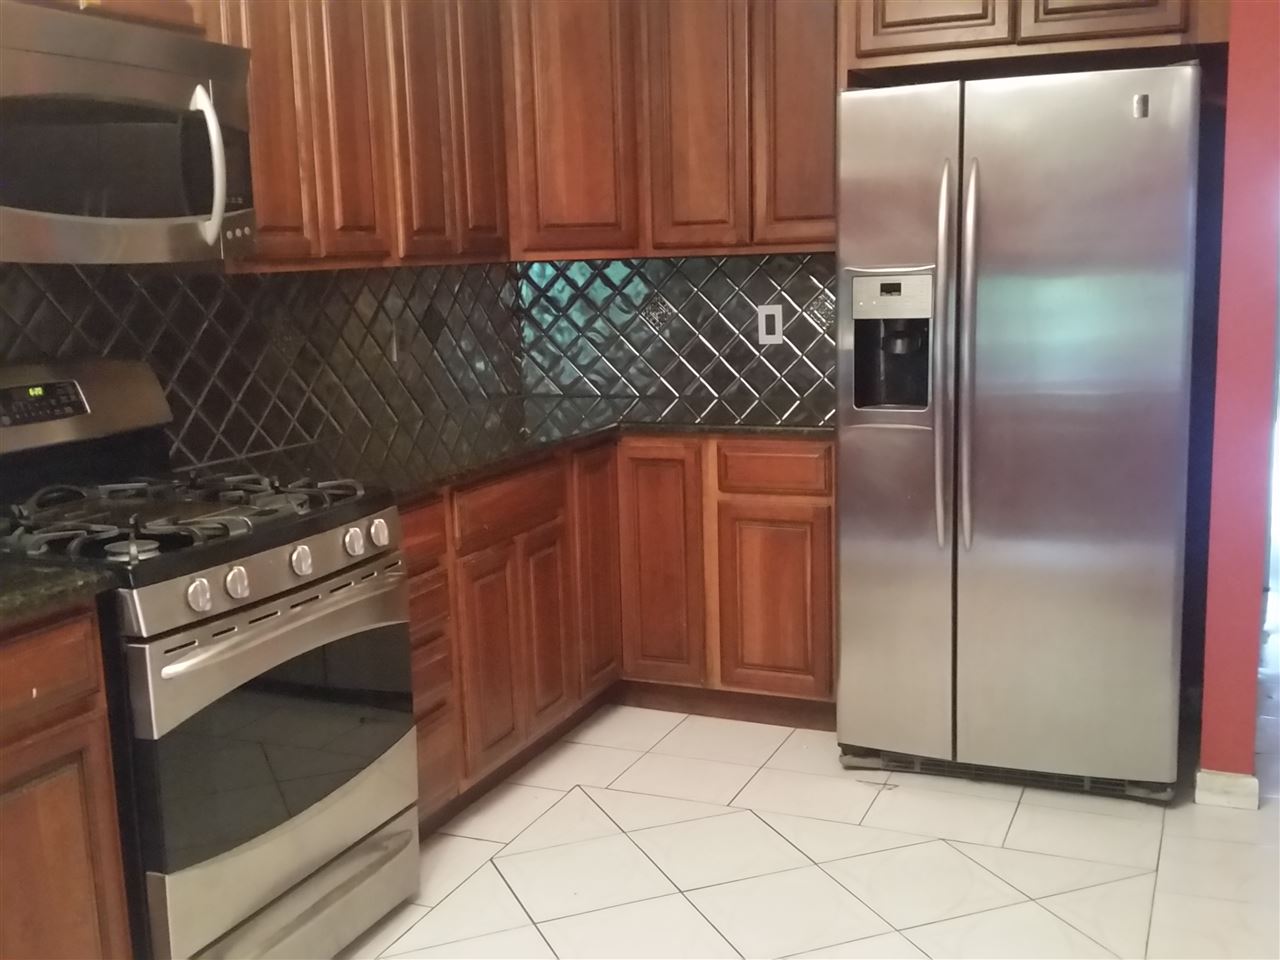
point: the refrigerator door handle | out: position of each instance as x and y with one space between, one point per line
968 297
941 381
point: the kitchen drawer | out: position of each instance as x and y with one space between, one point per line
422 537
432 672
439 748
493 512
45 670
428 606
800 467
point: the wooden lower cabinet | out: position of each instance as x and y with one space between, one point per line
597 579
435 708
543 561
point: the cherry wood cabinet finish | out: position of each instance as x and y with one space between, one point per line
775 566
351 113
899 26
542 556
570 92
1073 19
698 137
660 529
597 579
797 467
793 56
499 509
174 14
422 536
45 673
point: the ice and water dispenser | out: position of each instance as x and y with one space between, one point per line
891 346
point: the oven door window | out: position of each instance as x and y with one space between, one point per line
272 748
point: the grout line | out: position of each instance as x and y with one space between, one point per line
1142 871
1016 807
525 910
386 955
1146 945
762 766
640 755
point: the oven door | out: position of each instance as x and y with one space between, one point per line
266 744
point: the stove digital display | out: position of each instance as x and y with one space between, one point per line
38 402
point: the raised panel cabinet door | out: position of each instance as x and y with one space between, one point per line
479 141
421 120
597 580
571 101
548 625
775 596
1040 20
660 527
901 26
350 110
699 141
793 96
489 641
61 875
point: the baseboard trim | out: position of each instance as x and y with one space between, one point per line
1216 788
730 704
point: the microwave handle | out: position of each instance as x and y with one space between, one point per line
211 229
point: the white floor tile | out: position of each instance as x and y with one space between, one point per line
1085 836
1041 875
1020 932
574 878
384 933
567 765
817 752
887 946
707 781
1114 914
1197 927
933 813
730 741
574 818
1188 819
523 942
786 913
502 812
971 788
483 904
1268 735
445 861
808 795
635 811
717 849
1088 803
921 883
660 928
627 728
1220 868
823 840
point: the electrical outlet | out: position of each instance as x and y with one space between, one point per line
769 323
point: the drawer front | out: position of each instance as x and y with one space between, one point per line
800 467
44 670
493 512
432 670
439 756
428 606
423 540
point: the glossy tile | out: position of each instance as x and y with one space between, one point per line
624 727
886 946
683 778
1085 836
384 933
1089 803
523 942
1116 915
567 765
817 752
922 883
823 840
482 904
1220 868
717 849
808 795
635 811
502 812
446 861
932 813
1020 932
1197 927
1040 874
729 741
665 927
575 817
970 788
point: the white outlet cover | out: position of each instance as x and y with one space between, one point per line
769 323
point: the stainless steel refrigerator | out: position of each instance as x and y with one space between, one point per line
1014 338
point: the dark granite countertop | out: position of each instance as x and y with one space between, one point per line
468 443
31 591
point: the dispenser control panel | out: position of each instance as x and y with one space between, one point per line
903 296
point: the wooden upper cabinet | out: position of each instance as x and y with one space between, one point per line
350 110
698 135
479 142
1040 20
597 581
175 14
571 101
793 94
544 595
900 26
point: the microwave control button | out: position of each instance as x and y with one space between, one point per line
379 533
199 596
300 560
353 541
237 582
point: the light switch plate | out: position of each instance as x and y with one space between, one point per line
769 323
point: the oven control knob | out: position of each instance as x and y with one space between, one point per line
353 541
237 582
300 560
199 596
379 533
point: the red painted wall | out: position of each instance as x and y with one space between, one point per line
1244 398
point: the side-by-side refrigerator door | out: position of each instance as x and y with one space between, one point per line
898 183
1079 194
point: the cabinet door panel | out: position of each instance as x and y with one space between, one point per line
479 142
489 641
901 26
699 143
662 573
775 596
572 98
794 113
598 582
350 108
1081 19
547 626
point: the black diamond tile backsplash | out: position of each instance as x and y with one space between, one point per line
375 365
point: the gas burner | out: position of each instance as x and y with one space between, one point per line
131 550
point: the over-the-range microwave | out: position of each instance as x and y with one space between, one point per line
119 142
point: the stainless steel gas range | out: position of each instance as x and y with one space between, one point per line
258 658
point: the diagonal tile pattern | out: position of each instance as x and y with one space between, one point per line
586 870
